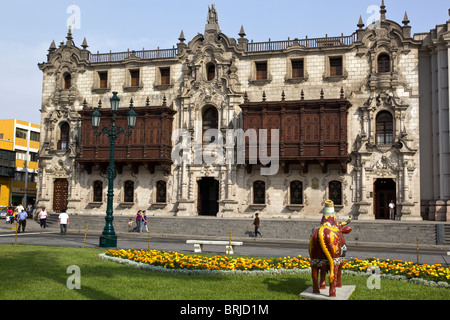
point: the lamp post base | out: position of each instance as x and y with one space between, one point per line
109 241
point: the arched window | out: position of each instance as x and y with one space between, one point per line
384 63
259 192
128 191
385 128
63 142
98 191
161 192
296 192
210 121
211 72
67 81
335 192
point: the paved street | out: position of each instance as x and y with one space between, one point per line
34 235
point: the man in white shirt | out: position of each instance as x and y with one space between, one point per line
63 221
392 210
20 208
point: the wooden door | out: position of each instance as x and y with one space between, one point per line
60 195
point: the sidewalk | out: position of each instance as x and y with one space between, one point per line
34 226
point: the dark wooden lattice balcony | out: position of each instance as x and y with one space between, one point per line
149 145
311 131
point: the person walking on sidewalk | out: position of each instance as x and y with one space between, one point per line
257 224
63 221
22 218
144 220
9 213
43 218
138 220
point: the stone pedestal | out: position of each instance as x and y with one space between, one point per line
343 293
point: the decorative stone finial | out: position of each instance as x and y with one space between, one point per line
360 24
69 37
52 47
84 45
242 32
406 19
383 11
181 37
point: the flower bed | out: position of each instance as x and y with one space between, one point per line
435 275
175 260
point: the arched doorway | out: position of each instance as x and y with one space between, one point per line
385 191
208 197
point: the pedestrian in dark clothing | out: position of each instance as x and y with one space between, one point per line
257 224
138 220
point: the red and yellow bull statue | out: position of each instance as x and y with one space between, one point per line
327 248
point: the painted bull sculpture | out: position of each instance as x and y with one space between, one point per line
327 246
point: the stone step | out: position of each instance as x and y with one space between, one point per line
371 232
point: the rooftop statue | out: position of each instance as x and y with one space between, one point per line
212 15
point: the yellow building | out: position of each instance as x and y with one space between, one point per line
22 138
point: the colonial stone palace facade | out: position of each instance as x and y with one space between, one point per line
345 111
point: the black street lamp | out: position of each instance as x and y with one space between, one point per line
108 238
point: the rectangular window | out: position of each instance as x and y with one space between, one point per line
297 69
33 157
161 190
259 192
21 133
103 76
336 66
98 191
129 191
165 75
21 155
134 74
19 176
296 192
335 190
35 136
261 70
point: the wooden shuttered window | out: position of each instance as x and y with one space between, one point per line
103 76
135 75
297 69
384 63
165 75
336 66
261 70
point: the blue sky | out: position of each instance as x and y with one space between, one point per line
28 27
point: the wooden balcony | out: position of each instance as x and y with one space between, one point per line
149 145
311 131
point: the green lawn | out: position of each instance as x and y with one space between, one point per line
38 272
